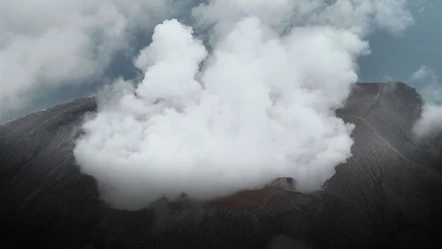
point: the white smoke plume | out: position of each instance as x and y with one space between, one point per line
358 16
259 105
49 43
429 125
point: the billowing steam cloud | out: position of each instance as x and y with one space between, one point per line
429 125
48 44
257 105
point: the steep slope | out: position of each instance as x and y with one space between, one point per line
388 194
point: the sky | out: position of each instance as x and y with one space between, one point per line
398 57
239 89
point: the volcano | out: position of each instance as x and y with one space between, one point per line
388 194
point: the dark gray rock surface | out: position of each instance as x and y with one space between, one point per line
389 194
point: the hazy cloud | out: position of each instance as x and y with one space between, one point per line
430 123
47 44
423 73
